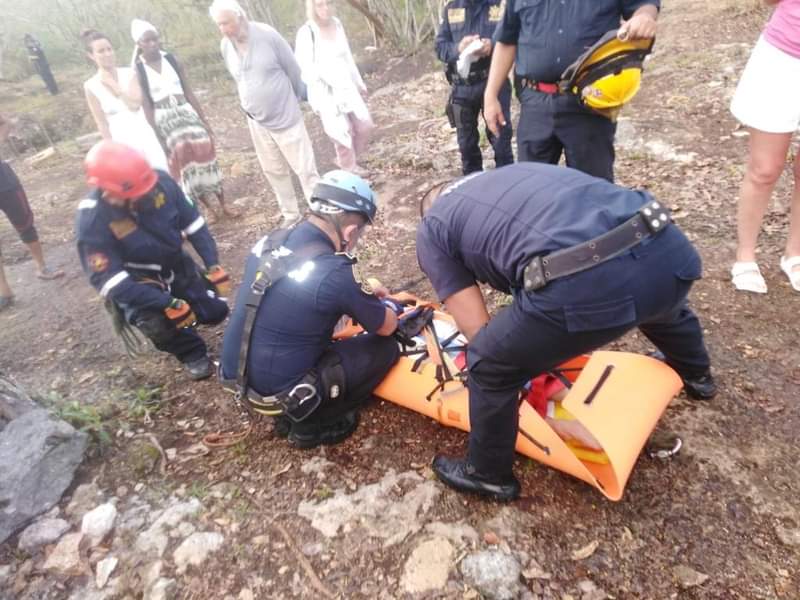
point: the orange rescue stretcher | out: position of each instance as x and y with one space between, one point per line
617 396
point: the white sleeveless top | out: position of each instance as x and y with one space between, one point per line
129 127
164 84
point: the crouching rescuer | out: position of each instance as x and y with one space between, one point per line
278 354
131 228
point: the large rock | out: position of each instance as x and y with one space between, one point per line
493 573
38 458
390 509
41 533
195 549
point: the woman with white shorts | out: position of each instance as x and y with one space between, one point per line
767 101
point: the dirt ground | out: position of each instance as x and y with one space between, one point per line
726 507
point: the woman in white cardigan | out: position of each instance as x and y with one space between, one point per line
335 88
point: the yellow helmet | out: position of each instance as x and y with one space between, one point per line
608 74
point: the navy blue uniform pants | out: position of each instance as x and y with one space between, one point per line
365 359
468 109
550 124
185 344
645 287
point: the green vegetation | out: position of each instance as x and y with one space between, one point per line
83 417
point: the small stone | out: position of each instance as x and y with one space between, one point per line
428 567
282 570
185 529
122 491
490 537
260 540
246 594
163 589
138 487
104 569
688 577
83 499
98 523
65 558
493 573
172 453
41 533
535 571
788 537
311 549
195 549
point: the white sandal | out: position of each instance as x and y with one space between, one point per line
746 277
789 266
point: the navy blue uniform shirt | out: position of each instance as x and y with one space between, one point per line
487 227
461 18
118 245
296 318
551 34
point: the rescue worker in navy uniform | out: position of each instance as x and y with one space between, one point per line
130 232
289 345
495 228
464 21
542 38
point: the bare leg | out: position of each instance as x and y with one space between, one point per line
765 165
793 241
226 210
42 272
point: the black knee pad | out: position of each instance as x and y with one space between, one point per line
29 235
156 327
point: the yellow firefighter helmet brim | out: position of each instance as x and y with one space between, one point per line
608 74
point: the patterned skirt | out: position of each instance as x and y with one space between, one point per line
192 158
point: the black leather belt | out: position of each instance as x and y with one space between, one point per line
652 218
474 77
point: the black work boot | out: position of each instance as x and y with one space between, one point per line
702 387
698 387
459 474
199 368
311 435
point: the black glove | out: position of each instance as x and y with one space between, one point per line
411 324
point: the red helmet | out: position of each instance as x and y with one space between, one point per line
119 170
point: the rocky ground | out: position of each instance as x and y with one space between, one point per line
155 513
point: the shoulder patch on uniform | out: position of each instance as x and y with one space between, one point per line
122 227
496 12
97 262
160 200
87 203
456 15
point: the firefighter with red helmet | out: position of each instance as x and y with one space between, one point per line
130 231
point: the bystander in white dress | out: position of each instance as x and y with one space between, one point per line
335 90
127 126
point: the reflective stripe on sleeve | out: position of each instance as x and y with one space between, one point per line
113 282
195 226
87 203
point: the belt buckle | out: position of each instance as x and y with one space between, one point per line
655 215
534 275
